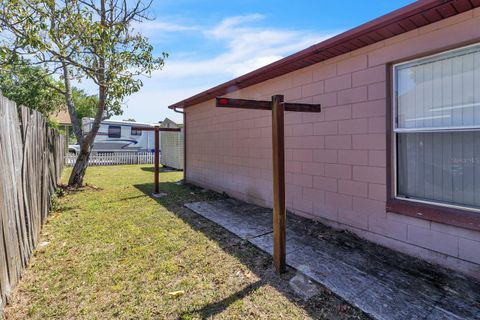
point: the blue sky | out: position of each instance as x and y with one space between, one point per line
210 42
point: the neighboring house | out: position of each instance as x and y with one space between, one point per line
171 144
117 135
63 118
394 156
167 123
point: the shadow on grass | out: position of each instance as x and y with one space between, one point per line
325 305
210 310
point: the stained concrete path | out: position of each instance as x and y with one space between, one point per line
383 283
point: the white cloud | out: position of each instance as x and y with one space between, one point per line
230 25
154 27
246 48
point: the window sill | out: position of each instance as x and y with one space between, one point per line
450 216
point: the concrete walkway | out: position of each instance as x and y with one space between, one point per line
383 283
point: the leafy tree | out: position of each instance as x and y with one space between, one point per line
20 83
86 105
82 39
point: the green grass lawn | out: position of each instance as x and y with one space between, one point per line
112 251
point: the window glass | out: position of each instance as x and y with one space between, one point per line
135 132
437 128
441 93
114 131
440 166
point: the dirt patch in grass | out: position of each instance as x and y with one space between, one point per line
115 252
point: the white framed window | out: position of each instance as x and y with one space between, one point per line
436 129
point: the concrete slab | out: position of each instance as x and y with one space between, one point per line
381 282
229 214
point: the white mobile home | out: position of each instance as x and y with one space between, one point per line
118 135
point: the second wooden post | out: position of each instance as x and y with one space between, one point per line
279 214
157 162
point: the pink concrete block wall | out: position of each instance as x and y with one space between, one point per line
335 160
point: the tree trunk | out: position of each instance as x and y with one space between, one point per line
80 167
76 123
78 172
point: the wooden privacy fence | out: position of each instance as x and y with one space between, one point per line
112 158
31 162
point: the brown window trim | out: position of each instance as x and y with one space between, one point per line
451 216
431 212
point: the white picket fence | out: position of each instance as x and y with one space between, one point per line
113 158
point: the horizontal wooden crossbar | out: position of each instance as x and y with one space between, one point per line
301 107
265 105
244 104
156 129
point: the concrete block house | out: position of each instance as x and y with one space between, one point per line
394 156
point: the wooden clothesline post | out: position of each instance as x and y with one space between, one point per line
278 107
279 207
156 184
156 130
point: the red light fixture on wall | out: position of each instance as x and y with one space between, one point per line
223 101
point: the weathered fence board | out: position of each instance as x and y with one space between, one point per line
113 158
31 162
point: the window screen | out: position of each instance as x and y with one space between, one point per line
437 122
